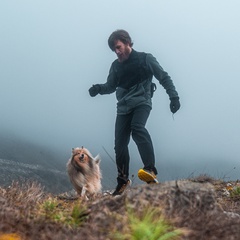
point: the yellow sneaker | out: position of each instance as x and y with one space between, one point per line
147 176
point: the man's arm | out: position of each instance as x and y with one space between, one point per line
106 88
162 76
165 80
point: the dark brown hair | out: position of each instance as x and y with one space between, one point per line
120 35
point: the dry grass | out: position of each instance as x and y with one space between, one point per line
28 213
198 206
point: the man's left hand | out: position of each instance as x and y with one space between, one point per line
174 104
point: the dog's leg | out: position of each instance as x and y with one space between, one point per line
83 191
83 194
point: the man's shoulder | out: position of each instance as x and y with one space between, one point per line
140 53
145 56
115 63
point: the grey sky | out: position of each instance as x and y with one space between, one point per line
51 52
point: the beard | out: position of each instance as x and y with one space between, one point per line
125 54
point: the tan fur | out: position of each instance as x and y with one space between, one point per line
84 172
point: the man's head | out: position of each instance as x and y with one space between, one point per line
121 43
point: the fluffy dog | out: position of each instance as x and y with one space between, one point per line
84 172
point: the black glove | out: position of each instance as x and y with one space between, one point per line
94 90
174 104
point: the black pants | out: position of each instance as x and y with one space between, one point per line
133 123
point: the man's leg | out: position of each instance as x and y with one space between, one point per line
122 138
142 138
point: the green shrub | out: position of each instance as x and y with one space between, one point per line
148 225
72 215
235 192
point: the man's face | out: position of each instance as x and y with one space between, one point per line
122 50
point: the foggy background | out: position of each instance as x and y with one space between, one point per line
51 52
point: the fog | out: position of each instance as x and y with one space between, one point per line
51 52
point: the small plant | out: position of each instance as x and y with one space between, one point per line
49 207
71 214
149 225
78 215
235 192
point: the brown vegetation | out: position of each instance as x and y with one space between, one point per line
202 208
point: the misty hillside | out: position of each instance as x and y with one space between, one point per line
16 149
20 160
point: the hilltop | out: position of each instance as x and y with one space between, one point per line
200 208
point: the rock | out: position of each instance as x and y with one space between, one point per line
187 204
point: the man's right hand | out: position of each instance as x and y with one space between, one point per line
94 90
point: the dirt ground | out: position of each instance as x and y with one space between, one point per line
204 208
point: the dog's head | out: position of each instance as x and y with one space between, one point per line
82 159
81 155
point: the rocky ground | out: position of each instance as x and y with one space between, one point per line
202 208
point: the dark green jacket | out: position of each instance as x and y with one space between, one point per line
132 81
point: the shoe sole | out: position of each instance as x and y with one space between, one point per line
146 177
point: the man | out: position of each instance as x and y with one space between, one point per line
131 76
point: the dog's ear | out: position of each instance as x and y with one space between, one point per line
97 159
